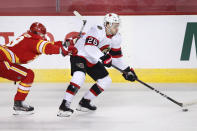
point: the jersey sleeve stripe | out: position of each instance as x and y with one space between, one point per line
116 53
38 45
116 56
43 48
116 49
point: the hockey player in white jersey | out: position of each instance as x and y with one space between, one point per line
100 47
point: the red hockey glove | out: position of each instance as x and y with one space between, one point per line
72 50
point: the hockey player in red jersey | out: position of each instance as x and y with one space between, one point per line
100 47
21 51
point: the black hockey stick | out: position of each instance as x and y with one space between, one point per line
157 91
169 98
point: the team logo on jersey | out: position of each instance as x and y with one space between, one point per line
106 50
80 65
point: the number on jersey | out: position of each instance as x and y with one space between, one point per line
91 41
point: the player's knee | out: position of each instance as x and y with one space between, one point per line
78 78
29 77
104 82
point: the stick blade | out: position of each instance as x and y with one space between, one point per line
190 103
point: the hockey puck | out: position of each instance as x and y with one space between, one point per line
184 110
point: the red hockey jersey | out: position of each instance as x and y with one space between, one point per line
29 46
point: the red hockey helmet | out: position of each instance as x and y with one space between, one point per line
38 28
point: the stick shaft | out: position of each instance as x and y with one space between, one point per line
150 87
157 91
76 13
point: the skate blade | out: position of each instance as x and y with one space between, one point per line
82 109
64 114
23 112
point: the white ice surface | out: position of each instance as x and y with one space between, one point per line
122 107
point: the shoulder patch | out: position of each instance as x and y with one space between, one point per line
99 27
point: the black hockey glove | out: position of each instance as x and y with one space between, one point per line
130 76
106 60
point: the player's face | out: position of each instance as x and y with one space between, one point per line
42 35
114 28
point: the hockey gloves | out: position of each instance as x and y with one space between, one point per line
71 50
68 42
106 60
130 76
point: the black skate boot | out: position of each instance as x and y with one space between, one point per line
64 109
84 105
22 109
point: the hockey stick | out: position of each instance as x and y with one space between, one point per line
82 19
76 13
145 84
169 98
157 91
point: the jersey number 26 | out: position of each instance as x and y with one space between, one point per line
91 40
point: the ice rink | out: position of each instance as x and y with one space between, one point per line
128 107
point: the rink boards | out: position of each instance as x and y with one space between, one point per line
147 75
160 48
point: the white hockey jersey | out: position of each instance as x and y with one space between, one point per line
95 43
